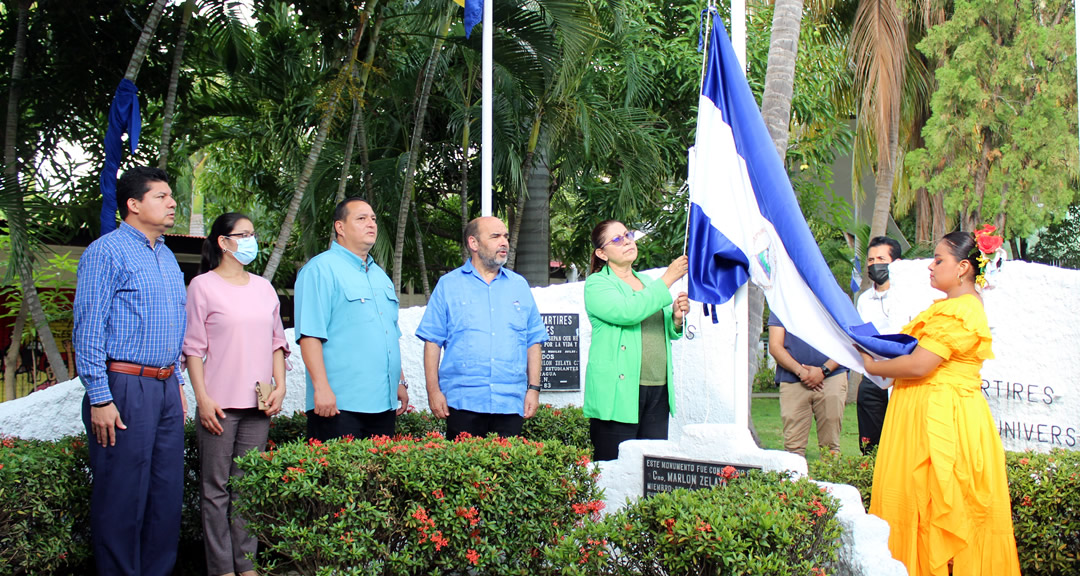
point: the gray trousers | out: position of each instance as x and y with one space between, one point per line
227 542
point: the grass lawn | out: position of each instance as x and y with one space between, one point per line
766 415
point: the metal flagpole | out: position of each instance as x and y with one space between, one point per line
486 114
738 30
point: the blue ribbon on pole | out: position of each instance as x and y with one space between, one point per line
123 118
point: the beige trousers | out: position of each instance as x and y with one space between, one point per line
799 406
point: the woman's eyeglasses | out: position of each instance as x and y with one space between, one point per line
242 235
620 239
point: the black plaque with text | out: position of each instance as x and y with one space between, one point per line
561 364
667 474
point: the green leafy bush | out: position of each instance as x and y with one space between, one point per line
1045 491
414 505
567 425
44 505
857 470
760 523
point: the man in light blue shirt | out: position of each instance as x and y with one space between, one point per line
486 319
347 328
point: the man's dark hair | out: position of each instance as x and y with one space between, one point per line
135 183
341 211
894 246
471 229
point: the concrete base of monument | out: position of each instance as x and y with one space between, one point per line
703 447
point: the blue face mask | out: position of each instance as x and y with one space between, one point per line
246 250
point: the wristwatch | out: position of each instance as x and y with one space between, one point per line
535 387
403 382
825 370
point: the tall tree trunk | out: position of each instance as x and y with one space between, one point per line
361 128
274 261
174 81
354 127
419 235
883 188
534 237
139 55
972 215
526 168
415 142
776 111
465 142
939 224
780 72
21 252
924 217
13 352
357 115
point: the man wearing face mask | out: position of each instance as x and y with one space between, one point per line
485 317
875 306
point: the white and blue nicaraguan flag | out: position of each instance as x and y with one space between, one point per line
745 222
856 274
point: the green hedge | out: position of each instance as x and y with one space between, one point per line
44 506
1045 493
414 505
760 523
45 495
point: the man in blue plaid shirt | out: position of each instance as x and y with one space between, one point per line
129 326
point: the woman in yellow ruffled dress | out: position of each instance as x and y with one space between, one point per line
939 479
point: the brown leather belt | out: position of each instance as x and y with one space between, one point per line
162 373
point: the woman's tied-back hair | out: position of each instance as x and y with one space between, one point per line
962 247
596 264
211 250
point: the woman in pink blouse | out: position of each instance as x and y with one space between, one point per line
234 340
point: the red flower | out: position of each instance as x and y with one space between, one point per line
439 541
817 508
1026 501
729 472
583 461
473 556
1024 461
988 244
670 524
437 493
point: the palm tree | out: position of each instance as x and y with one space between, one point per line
424 84
336 90
174 81
22 256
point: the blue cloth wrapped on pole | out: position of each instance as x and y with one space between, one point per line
123 118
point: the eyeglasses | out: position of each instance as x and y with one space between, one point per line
242 235
620 239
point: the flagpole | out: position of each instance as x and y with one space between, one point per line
738 30
486 114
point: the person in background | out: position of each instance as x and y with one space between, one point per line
939 476
813 387
628 383
875 306
347 328
129 328
234 340
485 317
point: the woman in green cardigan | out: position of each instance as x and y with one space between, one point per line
627 384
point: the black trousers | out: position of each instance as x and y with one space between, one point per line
871 405
359 425
652 424
481 424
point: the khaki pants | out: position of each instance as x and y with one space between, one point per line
799 404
